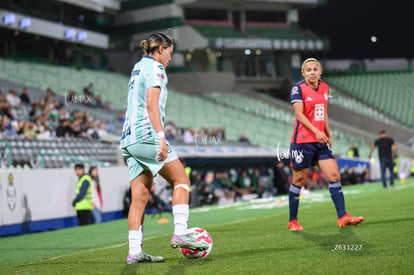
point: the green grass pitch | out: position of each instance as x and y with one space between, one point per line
249 238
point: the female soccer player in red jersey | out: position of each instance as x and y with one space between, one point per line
311 143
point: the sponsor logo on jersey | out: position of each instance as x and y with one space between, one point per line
319 113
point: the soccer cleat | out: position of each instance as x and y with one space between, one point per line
143 258
348 219
187 241
294 225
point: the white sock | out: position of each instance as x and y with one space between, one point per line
180 212
135 241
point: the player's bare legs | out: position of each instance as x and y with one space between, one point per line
140 194
174 173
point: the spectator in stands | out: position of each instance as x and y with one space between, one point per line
170 131
5 106
83 196
43 130
244 139
36 110
77 128
311 143
386 152
244 184
24 96
64 129
14 99
265 183
121 118
205 189
352 151
147 152
14 102
8 128
223 191
169 135
63 114
50 95
96 195
27 130
188 136
218 134
196 180
281 174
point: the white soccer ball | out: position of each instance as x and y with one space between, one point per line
201 235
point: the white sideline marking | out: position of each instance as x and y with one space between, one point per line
91 249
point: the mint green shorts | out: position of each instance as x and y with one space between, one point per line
143 156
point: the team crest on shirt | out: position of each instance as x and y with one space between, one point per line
319 113
299 158
160 76
294 91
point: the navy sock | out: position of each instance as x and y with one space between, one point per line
335 188
294 192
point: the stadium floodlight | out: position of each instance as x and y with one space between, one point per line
25 23
9 19
81 36
70 34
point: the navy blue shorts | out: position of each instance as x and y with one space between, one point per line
306 155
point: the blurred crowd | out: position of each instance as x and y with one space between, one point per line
230 185
226 186
47 118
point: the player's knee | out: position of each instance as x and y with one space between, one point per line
299 181
334 177
182 186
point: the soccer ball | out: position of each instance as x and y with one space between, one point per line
202 235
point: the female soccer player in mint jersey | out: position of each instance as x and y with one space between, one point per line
311 143
147 152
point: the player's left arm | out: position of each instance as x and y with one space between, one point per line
326 127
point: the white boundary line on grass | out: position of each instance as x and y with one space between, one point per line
91 249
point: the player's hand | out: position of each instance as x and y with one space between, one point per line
163 154
322 138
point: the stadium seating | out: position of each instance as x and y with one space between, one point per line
350 103
269 125
217 31
260 121
63 79
58 153
388 92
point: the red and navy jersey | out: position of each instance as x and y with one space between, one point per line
314 102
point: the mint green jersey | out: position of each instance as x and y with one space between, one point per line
147 73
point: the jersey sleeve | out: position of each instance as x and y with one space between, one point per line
156 76
296 94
